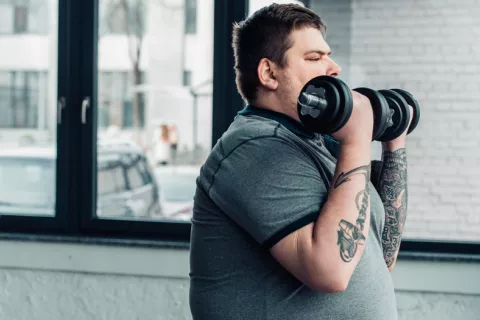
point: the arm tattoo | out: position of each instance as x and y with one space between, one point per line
350 236
393 191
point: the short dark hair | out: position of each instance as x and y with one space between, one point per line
266 34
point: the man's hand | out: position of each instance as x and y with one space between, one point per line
399 142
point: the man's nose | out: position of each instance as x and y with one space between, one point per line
334 69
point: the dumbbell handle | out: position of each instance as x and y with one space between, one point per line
312 105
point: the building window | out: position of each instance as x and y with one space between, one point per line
123 17
20 99
128 112
190 16
115 102
20 21
187 78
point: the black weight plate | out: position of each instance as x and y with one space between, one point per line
386 114
346 104
380 110
416 108
322 123
331 95
391 132
401 115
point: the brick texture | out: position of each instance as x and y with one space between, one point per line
429 48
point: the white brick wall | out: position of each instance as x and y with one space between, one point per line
338 17
430 48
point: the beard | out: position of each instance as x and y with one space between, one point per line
288 92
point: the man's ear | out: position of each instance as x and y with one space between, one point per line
266 74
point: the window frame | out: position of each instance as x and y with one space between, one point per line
77 148
62 223
225 13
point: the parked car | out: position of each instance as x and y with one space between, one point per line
177 189
126 185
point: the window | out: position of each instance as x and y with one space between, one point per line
126 17
145 171
116 100
140 83
190 16
28 95
22 104
21 19
187 78
26 17
7 16
111 176
135 178
28 184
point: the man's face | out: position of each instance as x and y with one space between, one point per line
306 59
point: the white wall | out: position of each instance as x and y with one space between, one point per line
429 48
58 281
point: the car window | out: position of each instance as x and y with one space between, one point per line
106 182
145 171
135 179
27 183
111 180
119 178
110 176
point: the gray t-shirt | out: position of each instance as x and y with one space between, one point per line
265 178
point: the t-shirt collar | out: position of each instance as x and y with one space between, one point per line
288 122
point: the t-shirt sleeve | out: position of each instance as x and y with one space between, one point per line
269 187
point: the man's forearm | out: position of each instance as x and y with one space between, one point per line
393 192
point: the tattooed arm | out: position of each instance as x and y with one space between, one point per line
392 188
325 253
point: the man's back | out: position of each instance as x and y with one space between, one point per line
265 178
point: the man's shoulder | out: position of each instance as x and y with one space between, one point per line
254 130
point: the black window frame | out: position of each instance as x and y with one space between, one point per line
77 148
63 223
225 13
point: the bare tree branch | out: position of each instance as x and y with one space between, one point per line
133 12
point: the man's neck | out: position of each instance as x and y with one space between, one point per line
277 106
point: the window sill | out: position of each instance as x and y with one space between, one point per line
438 257
95 255
414 271
85 240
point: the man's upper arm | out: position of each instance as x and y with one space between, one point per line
269 188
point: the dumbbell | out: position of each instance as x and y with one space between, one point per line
398 101
325 105
410 100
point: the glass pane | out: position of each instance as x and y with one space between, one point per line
154 106
28 91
